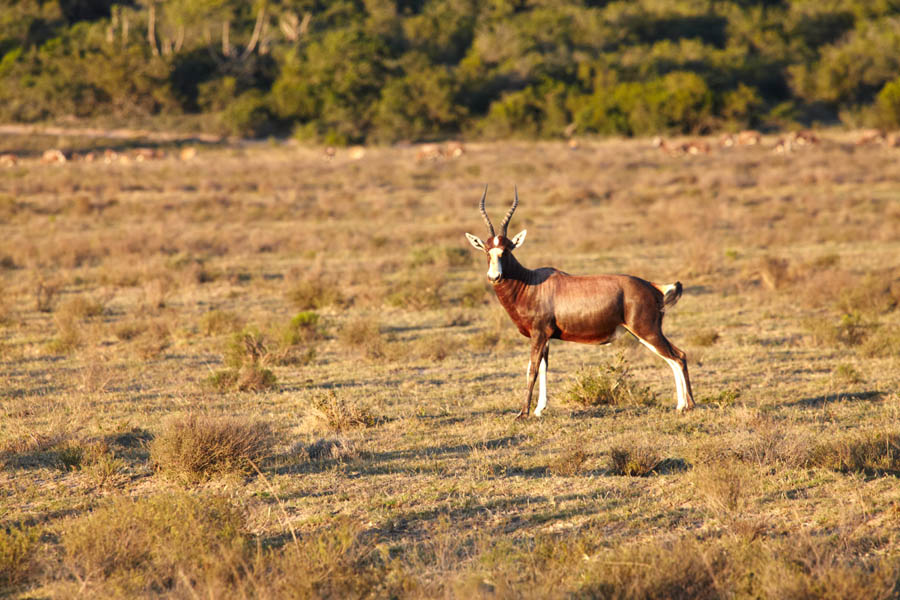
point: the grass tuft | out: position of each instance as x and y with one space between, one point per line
196 447
338 413
871 452
314 293
364 335
340 449
244 355
570 462
633 460
724 486
703 338
217 322
609 385
18 549
169 544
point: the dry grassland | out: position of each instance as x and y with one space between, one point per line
265 374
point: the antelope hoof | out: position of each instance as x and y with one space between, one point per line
522 415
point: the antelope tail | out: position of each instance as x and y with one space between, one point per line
671 294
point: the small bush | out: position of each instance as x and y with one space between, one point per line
18 547
473 294
333 562
633 460
305 326
610 385
570 462
332 449
296 339
339 414
418 290
704 338
444 256
847 374
436 347
883 342
876 293
70 457
775 272
248 116
81 307
217 322
724 486
45 294
195 447
129 330
679 570
68 337
165 543
245 353
850 330
155 337
314 293
868 452
364 334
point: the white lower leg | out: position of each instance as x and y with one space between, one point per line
542 393
680 386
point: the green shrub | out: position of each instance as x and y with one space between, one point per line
887 104
610 385
18 547
248 115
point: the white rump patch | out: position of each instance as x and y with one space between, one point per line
665 289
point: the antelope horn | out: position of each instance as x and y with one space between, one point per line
484 214
509 214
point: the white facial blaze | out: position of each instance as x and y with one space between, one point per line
494 269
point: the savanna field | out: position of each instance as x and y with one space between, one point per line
267 373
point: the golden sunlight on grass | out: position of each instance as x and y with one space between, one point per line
265 374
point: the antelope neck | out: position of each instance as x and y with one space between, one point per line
516 279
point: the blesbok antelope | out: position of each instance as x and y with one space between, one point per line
693 147
747 137
870 136
549 304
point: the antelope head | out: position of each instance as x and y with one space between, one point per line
498 248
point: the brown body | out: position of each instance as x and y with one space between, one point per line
549 304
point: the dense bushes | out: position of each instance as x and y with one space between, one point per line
387 71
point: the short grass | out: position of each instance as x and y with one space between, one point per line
264 374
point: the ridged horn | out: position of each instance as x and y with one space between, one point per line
484 214
509 214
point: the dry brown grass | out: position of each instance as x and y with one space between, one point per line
195 447
389 464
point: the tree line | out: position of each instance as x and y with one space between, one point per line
383 71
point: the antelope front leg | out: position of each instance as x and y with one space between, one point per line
542 382
537 352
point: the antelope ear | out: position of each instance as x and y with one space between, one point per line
519 239
479 245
